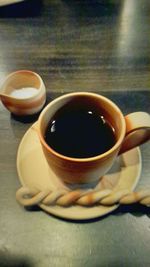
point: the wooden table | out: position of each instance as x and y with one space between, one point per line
98 46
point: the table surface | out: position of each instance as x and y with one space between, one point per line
98 46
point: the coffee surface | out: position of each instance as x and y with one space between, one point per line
79 133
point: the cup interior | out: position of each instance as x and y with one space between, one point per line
21 79
92 101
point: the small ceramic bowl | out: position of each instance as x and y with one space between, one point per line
23 93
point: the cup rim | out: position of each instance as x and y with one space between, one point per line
88 159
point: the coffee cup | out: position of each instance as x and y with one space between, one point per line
126 133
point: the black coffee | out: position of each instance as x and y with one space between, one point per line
79 133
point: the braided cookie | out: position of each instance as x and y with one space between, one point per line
65 198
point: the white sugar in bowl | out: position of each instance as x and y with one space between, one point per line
23 93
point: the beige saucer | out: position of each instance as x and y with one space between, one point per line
34 172
8 2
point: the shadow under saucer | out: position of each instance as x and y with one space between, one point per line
28 8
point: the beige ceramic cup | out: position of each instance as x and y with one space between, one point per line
23 106
131 131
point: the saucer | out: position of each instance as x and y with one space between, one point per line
34 172
8 2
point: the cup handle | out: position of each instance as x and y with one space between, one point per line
137 130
